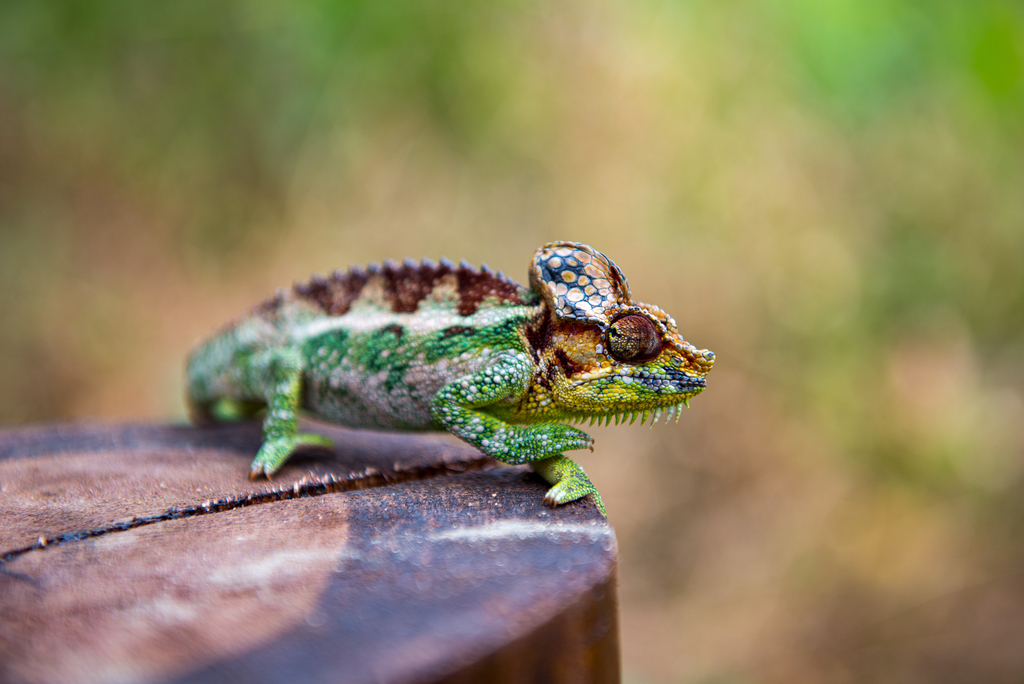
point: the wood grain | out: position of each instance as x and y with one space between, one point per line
143 553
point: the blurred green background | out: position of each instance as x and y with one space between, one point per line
827 193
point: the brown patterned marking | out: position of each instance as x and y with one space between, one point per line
570 369
538 334
453 330
336 294
270 305
475 286
406 285
394 329
550 373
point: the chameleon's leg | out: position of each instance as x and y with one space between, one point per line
569 480
280 373
456 407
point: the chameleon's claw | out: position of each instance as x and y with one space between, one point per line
275 452
256 471
558 495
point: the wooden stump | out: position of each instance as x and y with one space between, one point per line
143 553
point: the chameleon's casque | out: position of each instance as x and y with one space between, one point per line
435 346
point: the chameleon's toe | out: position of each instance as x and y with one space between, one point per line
563 493
275 452
558 437
569 480
258 470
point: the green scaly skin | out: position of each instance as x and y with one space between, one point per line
428 346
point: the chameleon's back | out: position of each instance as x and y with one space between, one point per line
374 345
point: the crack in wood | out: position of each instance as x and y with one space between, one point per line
306 487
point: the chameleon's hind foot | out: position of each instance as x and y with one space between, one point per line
569 480
276 451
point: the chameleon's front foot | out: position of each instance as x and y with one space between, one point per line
276 451
569 480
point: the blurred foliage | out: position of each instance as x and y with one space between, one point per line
825 192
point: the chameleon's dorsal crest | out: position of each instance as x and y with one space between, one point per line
404 285
579 283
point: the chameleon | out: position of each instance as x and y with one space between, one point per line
437 346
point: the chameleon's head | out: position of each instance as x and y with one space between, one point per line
606 354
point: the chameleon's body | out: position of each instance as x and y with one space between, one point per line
426 346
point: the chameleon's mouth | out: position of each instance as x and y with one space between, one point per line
667 392
669 383
680 381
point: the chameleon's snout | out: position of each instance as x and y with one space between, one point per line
703 359
700 360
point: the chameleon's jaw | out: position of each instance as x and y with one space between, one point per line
672 408
638 391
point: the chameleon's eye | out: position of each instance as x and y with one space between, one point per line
634 338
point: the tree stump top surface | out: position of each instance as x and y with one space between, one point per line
143 553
